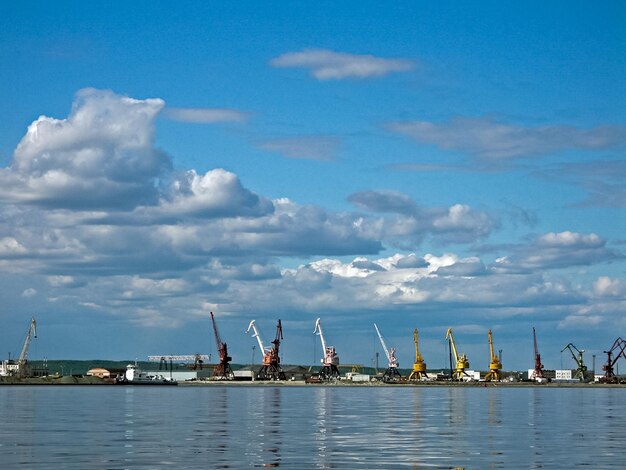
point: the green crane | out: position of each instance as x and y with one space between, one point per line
578 358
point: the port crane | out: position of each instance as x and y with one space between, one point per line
419 366
538 372
495 365
391 374
619 346
581 370
271 369
21 367
330 361
461 361
221 371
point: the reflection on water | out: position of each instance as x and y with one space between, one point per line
310 427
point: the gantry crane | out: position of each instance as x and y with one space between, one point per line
538 372
271 369
419 366
391 374
495 365
164 359
461 361
619 345
581 370
330 361
222 371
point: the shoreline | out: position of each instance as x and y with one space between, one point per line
93 381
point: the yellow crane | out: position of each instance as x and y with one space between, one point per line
419 366
495 365
461 361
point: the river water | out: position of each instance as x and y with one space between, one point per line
100 427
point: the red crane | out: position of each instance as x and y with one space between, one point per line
538 372
609 375
222 371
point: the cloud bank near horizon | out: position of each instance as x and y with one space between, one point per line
91 209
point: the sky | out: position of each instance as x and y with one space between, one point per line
423 165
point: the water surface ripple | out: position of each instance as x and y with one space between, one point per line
78 427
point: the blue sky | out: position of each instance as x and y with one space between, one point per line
421 166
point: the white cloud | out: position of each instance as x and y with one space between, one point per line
458 223
491 139
65 281
9 247
323 148
608 287
101 156
330 65
557 251
206 115
30 292
574 322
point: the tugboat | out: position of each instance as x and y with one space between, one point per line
135 376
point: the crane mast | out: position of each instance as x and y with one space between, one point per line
495 365
419 366
538 372
392 373
581 370
222 371
461 361
330 361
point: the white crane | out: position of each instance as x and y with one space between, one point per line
32 333
392 362
330 361
257 335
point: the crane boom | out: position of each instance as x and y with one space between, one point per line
256 335
31 333
320 333
450 338
382 341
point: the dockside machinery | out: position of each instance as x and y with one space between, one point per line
391 374
461 361
330 361
495 365
21 368
271 368
419 366
613 354
222 371
537 374
581 370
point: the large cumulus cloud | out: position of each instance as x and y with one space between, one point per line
101 156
